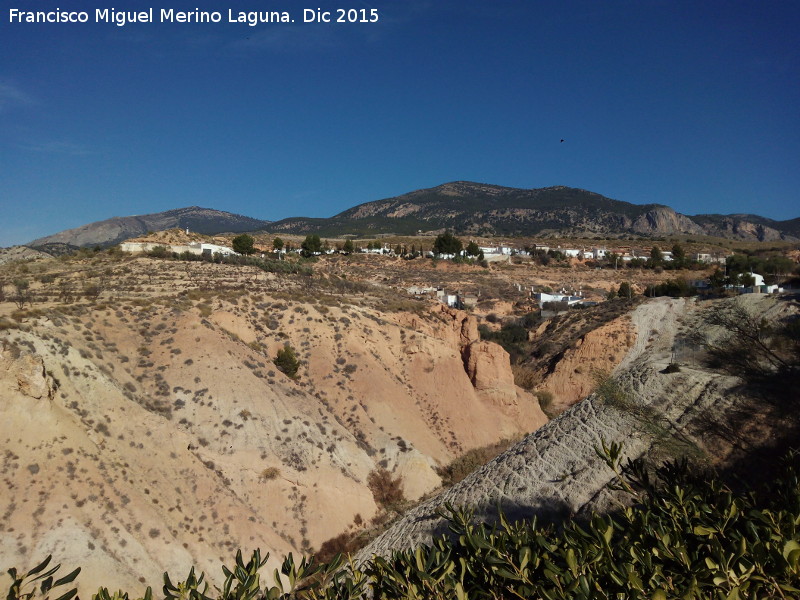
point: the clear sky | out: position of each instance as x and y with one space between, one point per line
692 104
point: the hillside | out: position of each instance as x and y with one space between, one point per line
748 227
653 412
117 229
468 208
147 429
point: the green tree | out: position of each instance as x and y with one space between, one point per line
656 257
447 243
286 361
348 247
678 255
311 245
22 293
243 244
277 244
717 280
625 290
747 280
474 250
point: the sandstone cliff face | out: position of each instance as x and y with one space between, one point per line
25 376
599 351
489 368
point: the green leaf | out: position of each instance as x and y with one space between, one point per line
733 594
460 593
68 595
789 547
658 595
524 557
572 562
67 578
41 566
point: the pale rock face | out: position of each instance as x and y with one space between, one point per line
27 376
136 474
417 475
489 369
665 220
464 326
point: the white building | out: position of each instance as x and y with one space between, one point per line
198 248
543 297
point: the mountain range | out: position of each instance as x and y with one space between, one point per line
466 208
118 229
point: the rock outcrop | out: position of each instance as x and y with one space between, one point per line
662 220
489 368
555 471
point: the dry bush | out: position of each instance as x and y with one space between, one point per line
344 543
385 489
545 398
471 460
269 474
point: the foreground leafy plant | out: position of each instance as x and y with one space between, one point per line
685 536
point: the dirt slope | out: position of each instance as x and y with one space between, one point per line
150 431
554 472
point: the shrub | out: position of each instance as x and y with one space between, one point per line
385 489
269 474
157 252
471 460
286 361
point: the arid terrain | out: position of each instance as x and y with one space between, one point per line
145 427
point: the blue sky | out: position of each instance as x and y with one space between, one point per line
686 103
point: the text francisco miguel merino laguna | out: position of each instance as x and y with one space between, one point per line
169 15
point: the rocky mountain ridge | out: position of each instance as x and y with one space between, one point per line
469 208
118 229
463 207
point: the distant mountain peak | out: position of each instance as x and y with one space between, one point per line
118 229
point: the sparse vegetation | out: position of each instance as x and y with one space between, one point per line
687 536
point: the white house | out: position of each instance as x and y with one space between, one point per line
416 290
543 297
198 248
212 249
